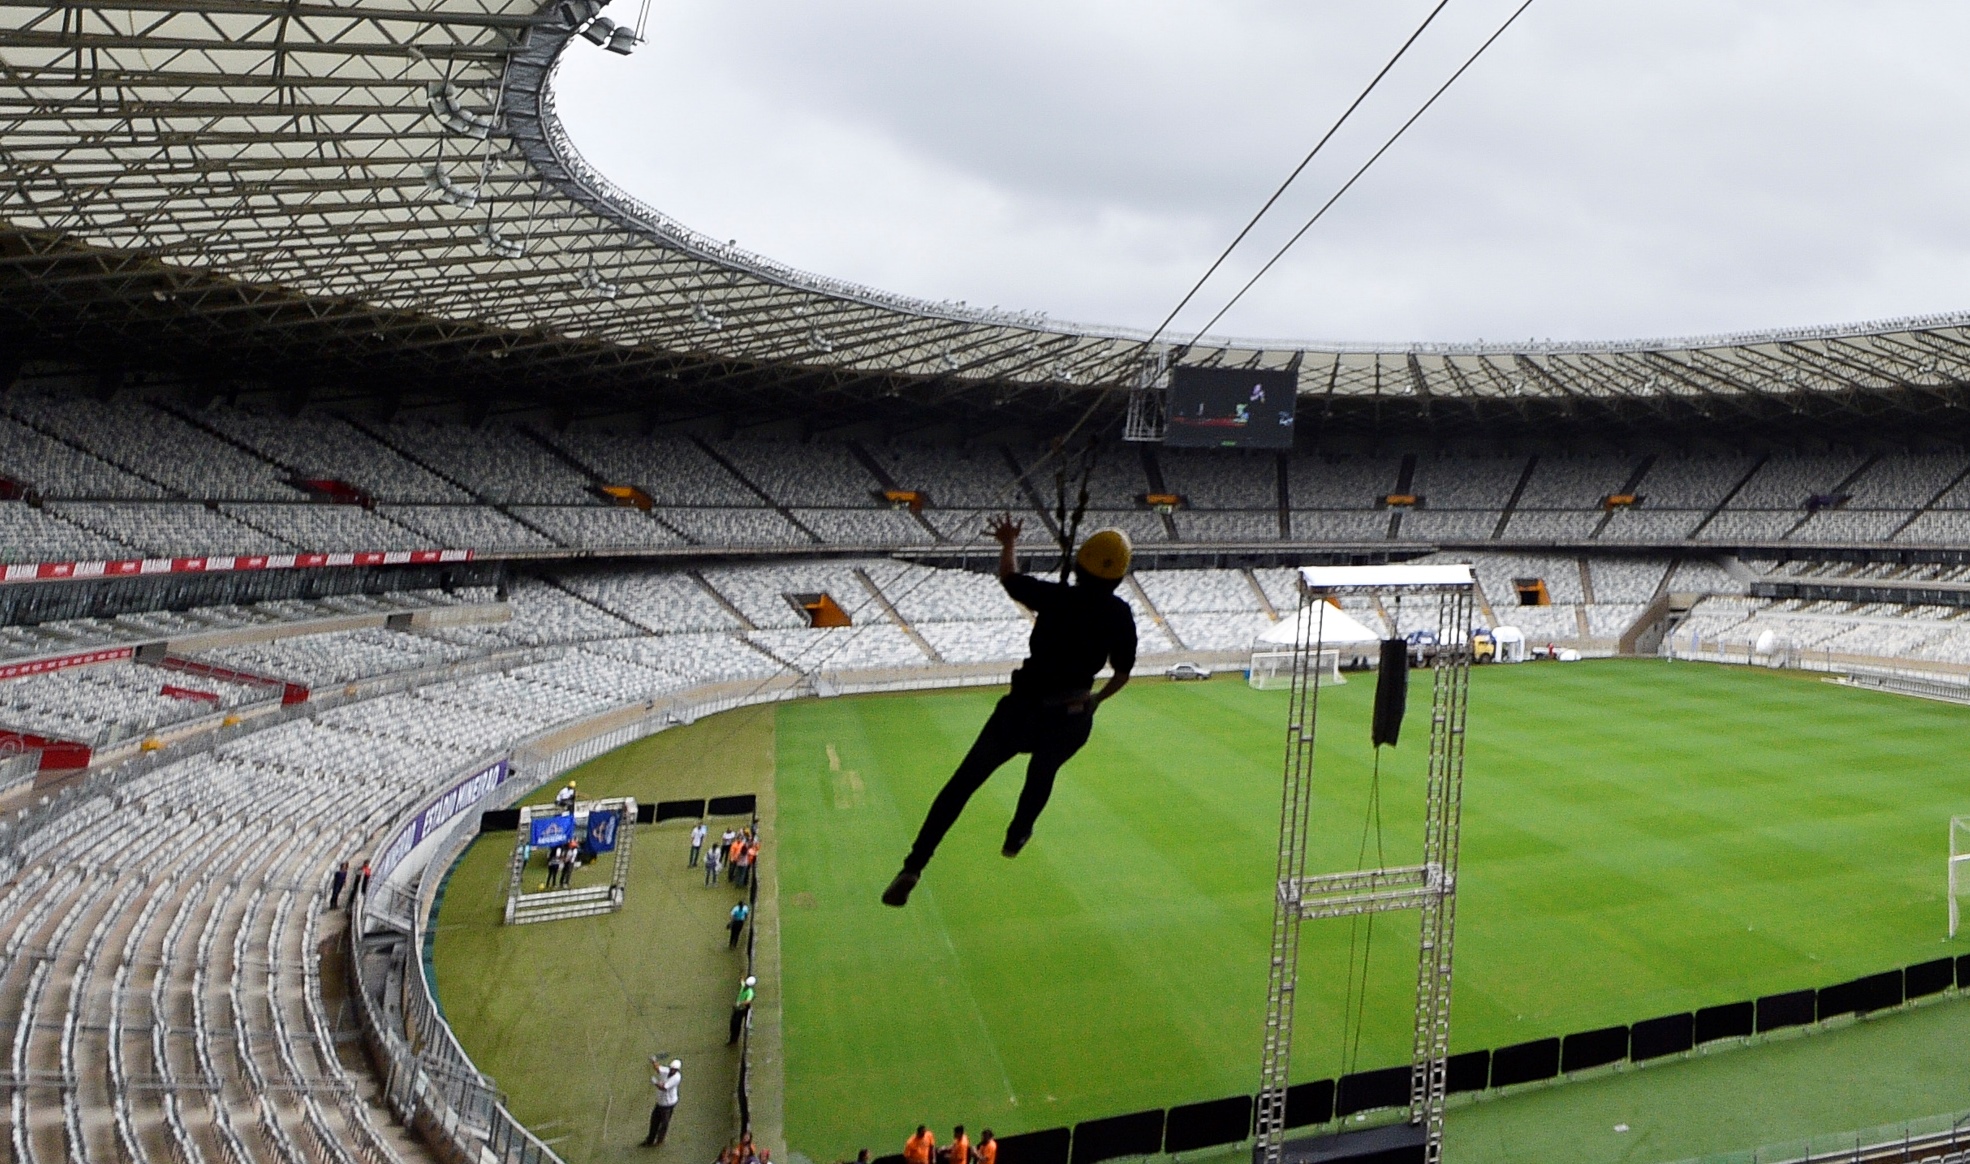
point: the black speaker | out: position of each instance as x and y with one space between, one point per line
1391 692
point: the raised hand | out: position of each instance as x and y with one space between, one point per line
1003 529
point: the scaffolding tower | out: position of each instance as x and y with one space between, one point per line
1430 887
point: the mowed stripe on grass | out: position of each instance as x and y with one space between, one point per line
1640 838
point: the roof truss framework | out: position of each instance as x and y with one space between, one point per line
328 186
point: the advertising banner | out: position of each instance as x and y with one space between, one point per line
602 830
450 803
552 831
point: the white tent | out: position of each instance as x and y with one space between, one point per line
1336 628
1510 644
1338 631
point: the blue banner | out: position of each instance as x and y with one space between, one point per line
602 830
551 831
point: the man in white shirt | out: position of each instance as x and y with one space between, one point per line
666 1081
697 844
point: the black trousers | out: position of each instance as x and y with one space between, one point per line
1051 734
738 1023
737 928
660 1122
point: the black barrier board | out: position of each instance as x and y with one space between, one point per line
1594 1049
1206 1125
678 810
1963 971
1231 408
1525 1062
1733 1020
1875 992
1367 1090
1136 1134
499 820
1669 1035
1793 1009
1309 1103
1926 978
896 1159
1470 1071
741 805
646 814
1045 1147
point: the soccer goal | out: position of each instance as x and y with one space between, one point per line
1959 867
1273 670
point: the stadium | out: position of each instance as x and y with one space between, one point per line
374 471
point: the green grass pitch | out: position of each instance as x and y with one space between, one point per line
1640 838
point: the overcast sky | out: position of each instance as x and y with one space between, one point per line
1610 169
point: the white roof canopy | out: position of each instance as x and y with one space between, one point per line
1328 579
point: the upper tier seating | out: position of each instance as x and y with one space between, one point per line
153 475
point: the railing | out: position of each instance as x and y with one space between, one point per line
1782 657
108 779
1943 1139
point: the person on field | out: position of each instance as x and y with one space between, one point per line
987 1151
960 1150
1050 710
736 924
711 867
697 844
920 1148
553 869
752 857
742 1008
666 1080
564 800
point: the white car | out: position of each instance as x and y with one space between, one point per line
1188 671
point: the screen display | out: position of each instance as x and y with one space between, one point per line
1231 408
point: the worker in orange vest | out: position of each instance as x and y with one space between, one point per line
987 1151
920 1148
960 1152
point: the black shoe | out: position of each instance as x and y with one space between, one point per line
1013 845
898 893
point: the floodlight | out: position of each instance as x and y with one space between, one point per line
622 40
599 30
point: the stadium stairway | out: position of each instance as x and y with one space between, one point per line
160 981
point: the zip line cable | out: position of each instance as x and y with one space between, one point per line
1102 396
793 662
1058 451
1294 176
1393 138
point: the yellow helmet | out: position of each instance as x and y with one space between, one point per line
1106 554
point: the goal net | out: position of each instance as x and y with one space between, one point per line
1273 670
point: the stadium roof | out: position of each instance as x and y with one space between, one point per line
380 191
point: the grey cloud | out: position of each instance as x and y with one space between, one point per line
1617 168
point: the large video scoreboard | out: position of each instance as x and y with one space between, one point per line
1230 408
